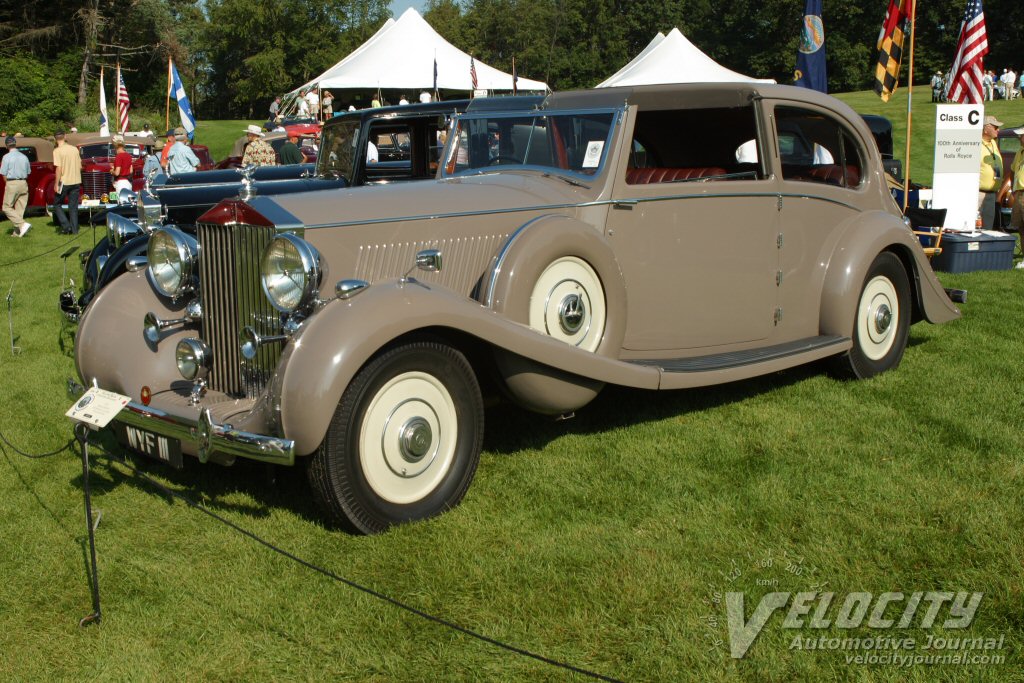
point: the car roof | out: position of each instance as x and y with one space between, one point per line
43 147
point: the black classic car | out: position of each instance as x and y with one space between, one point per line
406 139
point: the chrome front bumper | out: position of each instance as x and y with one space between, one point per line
208 437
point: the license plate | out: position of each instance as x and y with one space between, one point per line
156 446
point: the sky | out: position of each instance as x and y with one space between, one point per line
399 6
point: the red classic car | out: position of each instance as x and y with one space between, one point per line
98 157
40 180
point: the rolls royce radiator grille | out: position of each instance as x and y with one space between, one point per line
232 298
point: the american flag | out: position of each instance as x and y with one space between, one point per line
123 103
472 72
968 67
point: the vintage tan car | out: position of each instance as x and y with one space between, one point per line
661 237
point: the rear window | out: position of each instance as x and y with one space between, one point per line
815 148
694 144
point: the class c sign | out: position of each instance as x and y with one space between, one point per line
957 163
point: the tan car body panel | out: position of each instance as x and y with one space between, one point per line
496 230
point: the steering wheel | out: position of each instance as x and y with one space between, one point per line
503 159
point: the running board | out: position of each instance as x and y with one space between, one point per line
734 365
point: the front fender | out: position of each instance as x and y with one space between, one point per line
43 192
338 340
865 238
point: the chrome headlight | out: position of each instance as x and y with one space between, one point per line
193 358
173 259
149 209
290 272
121 229
126 197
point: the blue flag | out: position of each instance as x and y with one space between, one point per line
188 120
810 56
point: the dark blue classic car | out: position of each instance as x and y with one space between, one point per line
406 141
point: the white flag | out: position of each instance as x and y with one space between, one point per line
104 127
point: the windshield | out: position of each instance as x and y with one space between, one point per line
337 155
575 143
108 150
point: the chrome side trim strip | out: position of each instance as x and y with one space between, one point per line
580 205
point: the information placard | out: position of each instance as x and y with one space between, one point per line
97 407
957 163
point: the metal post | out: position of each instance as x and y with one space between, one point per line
82 434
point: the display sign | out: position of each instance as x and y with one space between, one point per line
957 163
97 407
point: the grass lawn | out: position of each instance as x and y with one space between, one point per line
606 541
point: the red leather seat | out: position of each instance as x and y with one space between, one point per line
643 176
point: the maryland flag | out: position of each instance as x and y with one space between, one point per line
890 48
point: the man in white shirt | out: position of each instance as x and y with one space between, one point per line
313 100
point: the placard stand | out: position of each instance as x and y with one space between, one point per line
93 410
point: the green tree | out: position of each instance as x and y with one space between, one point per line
30 101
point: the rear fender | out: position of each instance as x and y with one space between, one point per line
863 240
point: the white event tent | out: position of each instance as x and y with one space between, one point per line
400 56
674 59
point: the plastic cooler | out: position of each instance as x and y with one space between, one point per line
967 253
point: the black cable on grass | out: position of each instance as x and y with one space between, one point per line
30 258
36 456
352 584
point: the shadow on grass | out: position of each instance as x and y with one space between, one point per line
269 486
510 428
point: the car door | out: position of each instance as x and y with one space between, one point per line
821 177
694 228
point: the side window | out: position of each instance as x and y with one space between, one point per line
815 148
688 145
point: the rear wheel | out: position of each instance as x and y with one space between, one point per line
882 320
404 441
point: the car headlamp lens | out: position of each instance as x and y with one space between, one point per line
120 229
193 358
149 209
290 271
172 257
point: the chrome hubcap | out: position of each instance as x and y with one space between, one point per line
415 439
571 313
883 318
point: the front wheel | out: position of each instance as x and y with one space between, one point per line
882 321
404 441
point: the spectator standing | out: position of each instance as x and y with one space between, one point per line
991 171
258 152
275 108
290 152
152 162
937 87
303 107
987 85
328 102
313 100
122 168
403 99
1017 215
15 168
424 97
67 164
1011 84
180 157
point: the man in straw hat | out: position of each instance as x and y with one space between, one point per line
257 151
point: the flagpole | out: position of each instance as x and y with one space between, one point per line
167 115
910 94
